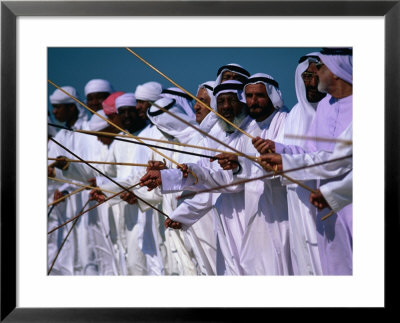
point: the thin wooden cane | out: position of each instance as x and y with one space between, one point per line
65 239
66 196
81 185
188 93
98 162
328 215
343 141
91 208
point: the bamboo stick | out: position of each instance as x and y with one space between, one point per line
66 196
98 162
328 215
81 185
344 141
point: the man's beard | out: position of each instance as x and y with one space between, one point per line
315 96
136 125
265 111
237 121
322 87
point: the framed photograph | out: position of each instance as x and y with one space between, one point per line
30 29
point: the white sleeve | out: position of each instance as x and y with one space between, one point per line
338 194
207 178
328 170
80 172
192 209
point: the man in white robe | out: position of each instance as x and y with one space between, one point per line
56 216
266 204
134 226
65 110
181 259
228 206
333 116
201 234
96 91
303 236
99 220
199 237
140 225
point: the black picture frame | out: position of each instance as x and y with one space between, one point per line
10 10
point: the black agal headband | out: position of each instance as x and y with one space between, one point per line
262 79
159 111
183 95
233 68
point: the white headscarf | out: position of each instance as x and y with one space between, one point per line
299 82
339 61
96 123
98 85
231 86
209 87
211 118
126 100
232 67
271 86
301 115
167 123
181 98
59 97
148 91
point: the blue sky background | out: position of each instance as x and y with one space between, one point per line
188 67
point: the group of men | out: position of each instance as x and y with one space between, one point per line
149 183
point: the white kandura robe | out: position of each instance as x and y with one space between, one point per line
266 244
136 231
97 224
180 258
303 235
138 224
56 216
80 262
200 236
